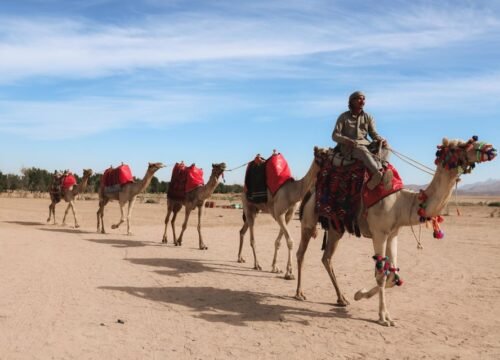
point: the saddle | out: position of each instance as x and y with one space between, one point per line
341 194
114 178
266 174
184 179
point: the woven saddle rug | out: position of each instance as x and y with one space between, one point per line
341 194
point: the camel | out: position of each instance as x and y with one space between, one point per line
69 196
194 198
127 194
384 219
281 207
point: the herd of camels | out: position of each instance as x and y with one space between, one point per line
380 222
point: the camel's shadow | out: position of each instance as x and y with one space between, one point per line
25 223
178 267
121 243
68 231
233 307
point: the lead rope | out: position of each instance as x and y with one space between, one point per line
419 243
456 197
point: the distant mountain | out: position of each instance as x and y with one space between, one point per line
488 187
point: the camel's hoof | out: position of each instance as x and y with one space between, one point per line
276 270
241 260
257 267
114 226
300 296
130 233
289 277
77 226
359 294
48 220
342 302
164 241
204 248
386 323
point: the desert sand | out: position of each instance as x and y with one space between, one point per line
75 294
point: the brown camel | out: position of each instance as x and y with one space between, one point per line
194 198
384 219
69 196
281 207
127 194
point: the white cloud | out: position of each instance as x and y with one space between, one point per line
73 48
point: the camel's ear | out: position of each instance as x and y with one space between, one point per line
445 141
213 165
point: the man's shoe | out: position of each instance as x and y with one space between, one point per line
374 180
387 179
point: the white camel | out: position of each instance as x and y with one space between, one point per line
385 218
281 207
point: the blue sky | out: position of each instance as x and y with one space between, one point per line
92 83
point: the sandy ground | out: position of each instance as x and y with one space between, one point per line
74 294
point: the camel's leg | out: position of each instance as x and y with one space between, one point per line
380 244
164 240
243 231
176 211
289 241
73 210
52 213
251 222
122 216
200 213
331 246
277 244
184 224
131 204
305 236
100 216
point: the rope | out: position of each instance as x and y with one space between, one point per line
413 162
419 243
238 167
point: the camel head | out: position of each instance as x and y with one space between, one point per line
87 172
154 167
321 155
218 169
464 155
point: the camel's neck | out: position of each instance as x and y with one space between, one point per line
142 185
208 189
302 186
439 190
82 186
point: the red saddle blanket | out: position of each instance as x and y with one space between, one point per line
340 190
371 197
277 172
184 179
117 176
68 181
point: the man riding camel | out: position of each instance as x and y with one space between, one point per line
351 133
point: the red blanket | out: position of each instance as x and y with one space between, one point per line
184 179
194 178
277 172
371 197
117 176
68 181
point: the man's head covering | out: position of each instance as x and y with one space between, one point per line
355 95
